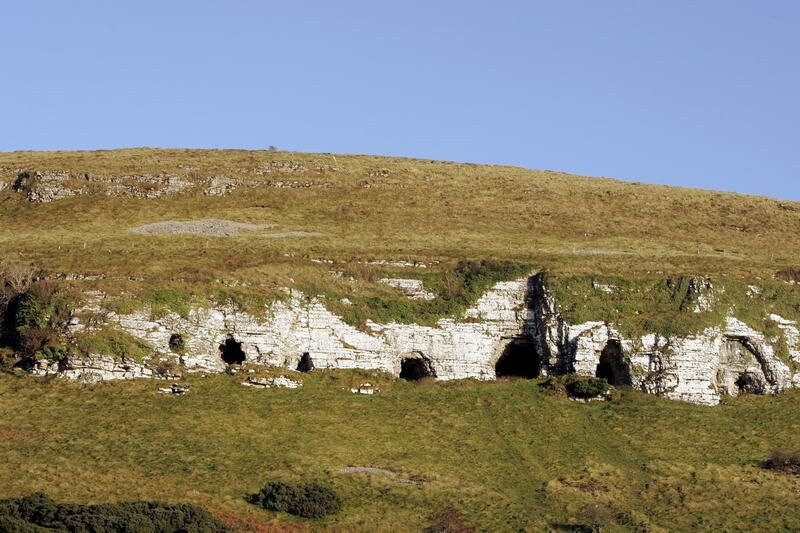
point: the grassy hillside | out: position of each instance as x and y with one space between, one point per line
502 456
368 208
505 455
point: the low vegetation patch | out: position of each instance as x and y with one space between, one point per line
455 291
586 387
113 342
448 520
790 274
681 305
25 514
784 461
308 500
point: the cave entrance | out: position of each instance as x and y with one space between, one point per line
612 366
231 351
416 367
306 364
749 383
519 359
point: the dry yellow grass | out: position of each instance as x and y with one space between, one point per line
377 208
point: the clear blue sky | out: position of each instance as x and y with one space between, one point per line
700 93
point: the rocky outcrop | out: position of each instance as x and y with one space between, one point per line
92 369
516 326
300 326
52 185
413 288
702 368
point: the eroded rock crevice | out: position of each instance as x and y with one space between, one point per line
612 366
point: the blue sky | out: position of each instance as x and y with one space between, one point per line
695 93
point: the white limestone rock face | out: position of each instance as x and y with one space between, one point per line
702 368
413 288
791 334
92 369
466 347
727 360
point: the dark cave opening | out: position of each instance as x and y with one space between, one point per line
612 366
519 359
416 368
749 383
231 351
306 364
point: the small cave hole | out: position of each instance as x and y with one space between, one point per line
416 368
231 351
519 359
306 364
749 383
176 343
612 366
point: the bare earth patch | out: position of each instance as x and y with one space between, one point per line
210 227
213 227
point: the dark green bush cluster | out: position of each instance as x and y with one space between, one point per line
586 387
783 461
309 500
35 319
25 514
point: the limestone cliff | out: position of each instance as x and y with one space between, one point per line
514 329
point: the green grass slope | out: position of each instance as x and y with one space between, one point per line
505 455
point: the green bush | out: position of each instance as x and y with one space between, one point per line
586 387
309 500
35 320
25 514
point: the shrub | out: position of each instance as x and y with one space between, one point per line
309 500
167 368
15 278
783 461
24 514
586 387
35 320
789 274
448 520
24 181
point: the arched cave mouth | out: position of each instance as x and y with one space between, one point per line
519 359
231 351
416 368
306 364
612 366
749 383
